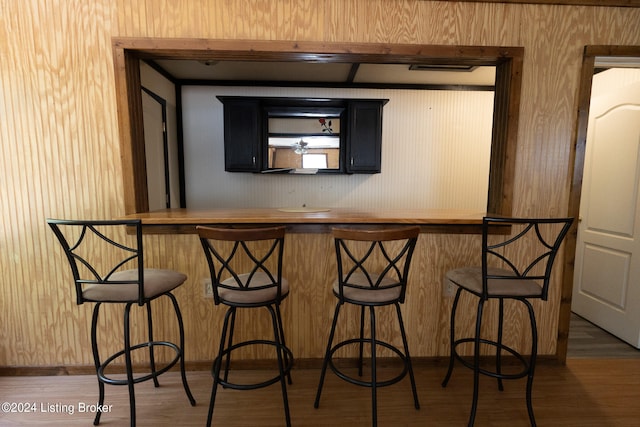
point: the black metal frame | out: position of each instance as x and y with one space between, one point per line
220 266
515 270
135 256
397 266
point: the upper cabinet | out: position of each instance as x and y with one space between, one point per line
364 141
302 135
242 130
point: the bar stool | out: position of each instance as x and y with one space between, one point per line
517 259
373 265
246 272
108 268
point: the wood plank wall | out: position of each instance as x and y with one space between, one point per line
60 154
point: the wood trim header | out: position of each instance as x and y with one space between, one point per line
599 3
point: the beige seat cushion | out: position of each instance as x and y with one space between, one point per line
249 295
156 282
470 278
371 294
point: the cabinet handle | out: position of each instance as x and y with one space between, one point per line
254 160
352 161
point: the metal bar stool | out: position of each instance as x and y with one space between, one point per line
246 272
373 265
517 259
107 264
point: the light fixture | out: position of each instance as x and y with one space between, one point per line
300 147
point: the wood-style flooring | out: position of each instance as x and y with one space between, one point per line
587 391
589 341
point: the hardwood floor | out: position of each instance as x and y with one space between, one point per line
589 341
586 391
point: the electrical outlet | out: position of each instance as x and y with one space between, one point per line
207 288
449 289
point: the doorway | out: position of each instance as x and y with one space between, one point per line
607 276
156 149
610 283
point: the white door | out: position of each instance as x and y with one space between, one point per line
606 289
154 148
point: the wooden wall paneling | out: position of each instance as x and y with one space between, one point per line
58 120
601 3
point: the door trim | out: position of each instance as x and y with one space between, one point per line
165 142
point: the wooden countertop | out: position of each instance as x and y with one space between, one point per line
307 216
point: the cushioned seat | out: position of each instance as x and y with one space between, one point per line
107 264
156 283
254 295
470 278
360 290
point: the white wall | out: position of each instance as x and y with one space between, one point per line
435 154
156 83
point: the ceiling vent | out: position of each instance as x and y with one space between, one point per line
441 67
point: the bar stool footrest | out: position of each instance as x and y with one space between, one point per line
156 373
356 381
287 359
526 366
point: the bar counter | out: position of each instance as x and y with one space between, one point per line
309 219
449 239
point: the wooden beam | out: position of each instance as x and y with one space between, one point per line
599 3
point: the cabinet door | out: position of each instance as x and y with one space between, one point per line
242 135
364 145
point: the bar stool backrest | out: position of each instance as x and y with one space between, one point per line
99 251
244 259
519 250
374 259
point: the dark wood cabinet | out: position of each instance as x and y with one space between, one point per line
246 135
242 133
364 136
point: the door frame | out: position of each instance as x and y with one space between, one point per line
577 158
165 143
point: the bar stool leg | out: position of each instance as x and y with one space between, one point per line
476 364
499 346
187 390
282 339
129 365
374 391
327 355
96 360
152 360
229 344
281 366
408 357
532 362
452 338
217 364
361 340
